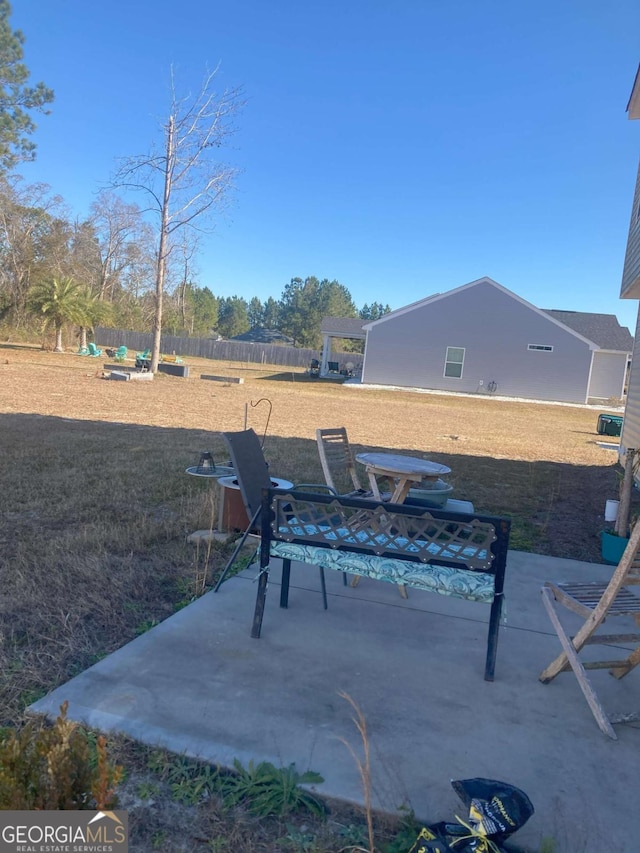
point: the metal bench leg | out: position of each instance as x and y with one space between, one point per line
492 639
284 587
323 587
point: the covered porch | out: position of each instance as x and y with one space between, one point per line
341 328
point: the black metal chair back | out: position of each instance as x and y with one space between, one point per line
251 467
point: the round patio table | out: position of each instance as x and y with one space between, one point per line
403 470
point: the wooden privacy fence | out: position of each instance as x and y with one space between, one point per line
243 351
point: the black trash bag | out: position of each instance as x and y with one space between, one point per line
453 838
496 810
429 841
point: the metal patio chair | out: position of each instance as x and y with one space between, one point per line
252 473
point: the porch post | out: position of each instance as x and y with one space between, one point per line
326 352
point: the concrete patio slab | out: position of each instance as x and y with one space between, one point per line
197 683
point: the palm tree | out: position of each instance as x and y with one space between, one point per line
58 301
94 311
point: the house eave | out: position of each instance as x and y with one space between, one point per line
633 107
632 290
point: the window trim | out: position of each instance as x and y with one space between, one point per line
540 348
448 361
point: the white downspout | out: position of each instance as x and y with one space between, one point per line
586 399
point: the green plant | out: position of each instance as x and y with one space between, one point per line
190 781
548 845
145 626
405 836
218 845
299 841
159 839
354 836
55 767
270 790
148 790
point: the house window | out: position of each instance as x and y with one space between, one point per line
540 347
453 362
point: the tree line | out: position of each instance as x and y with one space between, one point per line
116 267
57 271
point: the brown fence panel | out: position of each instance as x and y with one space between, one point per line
242 351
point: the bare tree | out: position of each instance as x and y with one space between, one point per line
31 226
188 247
123 239
184 182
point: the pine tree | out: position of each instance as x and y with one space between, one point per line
16 97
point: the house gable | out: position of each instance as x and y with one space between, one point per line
485 280
479 337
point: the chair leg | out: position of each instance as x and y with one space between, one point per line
356 580
570 655
236 550
260 599
627 665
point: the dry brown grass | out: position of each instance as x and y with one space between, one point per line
539 463
95 505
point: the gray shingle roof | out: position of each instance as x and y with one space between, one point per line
603 329
257 335
343 326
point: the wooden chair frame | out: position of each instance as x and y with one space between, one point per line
596 602
335 454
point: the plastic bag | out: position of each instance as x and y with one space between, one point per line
495 811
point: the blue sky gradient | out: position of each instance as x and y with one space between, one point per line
403 148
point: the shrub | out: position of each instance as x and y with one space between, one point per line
55 767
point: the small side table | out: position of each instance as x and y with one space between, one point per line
214 474
232 514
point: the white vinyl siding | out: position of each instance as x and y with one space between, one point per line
454 362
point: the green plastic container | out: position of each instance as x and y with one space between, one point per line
612 547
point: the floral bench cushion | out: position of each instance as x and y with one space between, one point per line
445 580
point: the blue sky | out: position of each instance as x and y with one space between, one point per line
402 147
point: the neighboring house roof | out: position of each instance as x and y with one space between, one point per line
258 335
603 329
343 326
